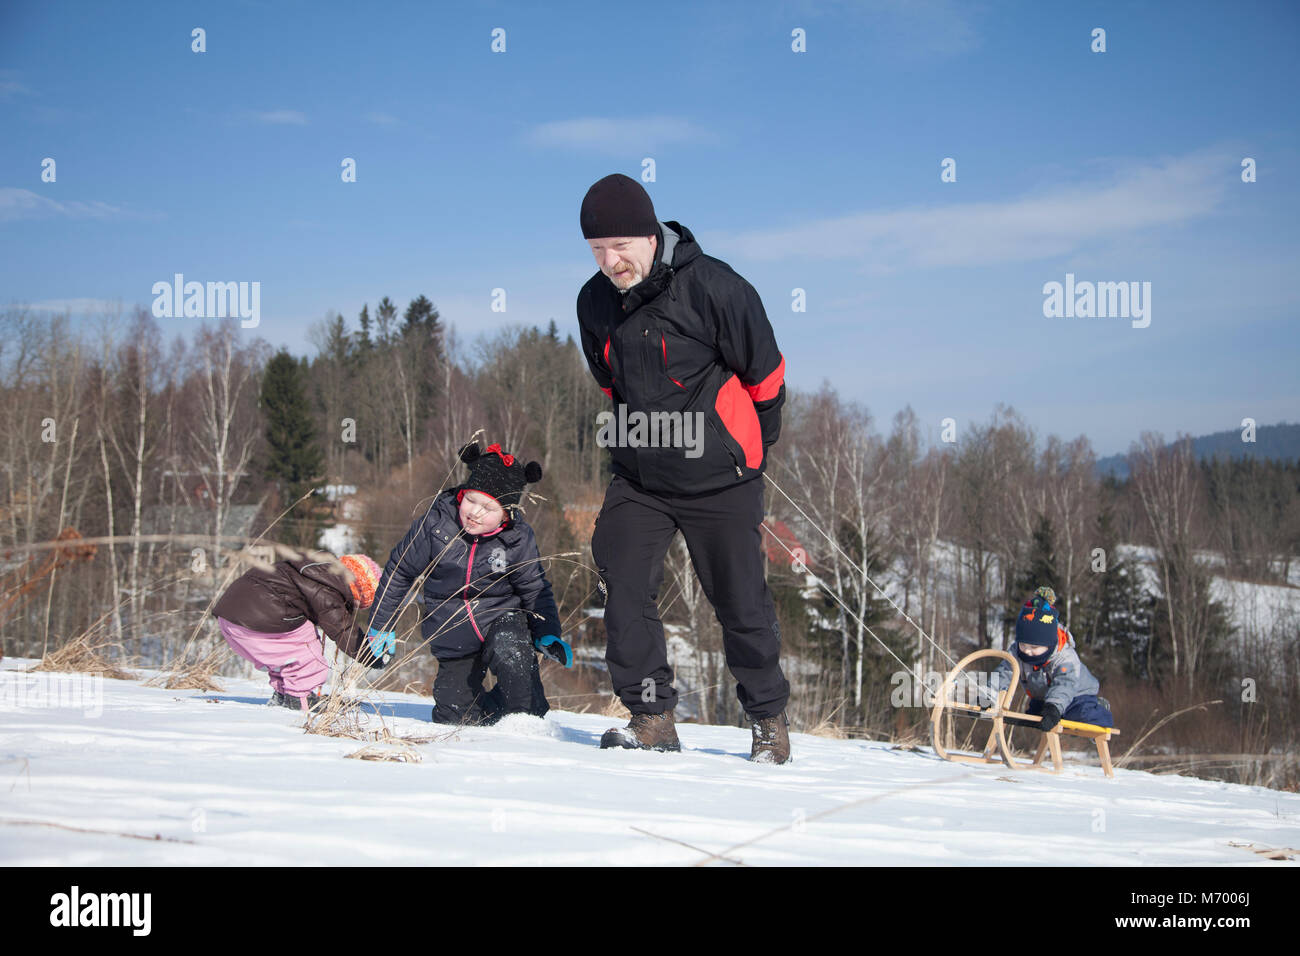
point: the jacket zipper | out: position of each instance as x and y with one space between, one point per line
664 342
734 463
469 568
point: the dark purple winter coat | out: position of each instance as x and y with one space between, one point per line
472 580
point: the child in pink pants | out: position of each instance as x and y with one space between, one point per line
269 616
295 659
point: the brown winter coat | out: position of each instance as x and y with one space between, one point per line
282 597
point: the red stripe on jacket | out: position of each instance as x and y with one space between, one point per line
770 386
608 391
737 412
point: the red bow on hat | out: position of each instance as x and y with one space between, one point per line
508 459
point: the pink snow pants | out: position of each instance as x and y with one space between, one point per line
295 659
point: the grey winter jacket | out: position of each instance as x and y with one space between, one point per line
1056 681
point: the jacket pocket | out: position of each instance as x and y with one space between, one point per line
663 342
738 417
726 445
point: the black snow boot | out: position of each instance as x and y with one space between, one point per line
771 739
644 732
293 703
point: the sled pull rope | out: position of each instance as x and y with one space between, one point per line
822 584
920 630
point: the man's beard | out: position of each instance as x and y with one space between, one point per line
630 274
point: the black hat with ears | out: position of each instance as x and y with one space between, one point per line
495 473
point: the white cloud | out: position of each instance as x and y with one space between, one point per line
25 204
1018 230
618 136
82 306
282 117
9 88
382 119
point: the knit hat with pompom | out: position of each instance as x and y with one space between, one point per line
1038 625
365 577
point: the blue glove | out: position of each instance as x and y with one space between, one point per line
382 644
556 649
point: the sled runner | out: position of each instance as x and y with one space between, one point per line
1002 716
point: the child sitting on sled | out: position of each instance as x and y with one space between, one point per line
1057 684
269 616
487 603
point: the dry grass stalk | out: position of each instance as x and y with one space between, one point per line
339 715
82 656
615 708
201 674
399 752
827 727
911 739
1268 852
193 679
1132 751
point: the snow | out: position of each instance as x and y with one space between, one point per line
1267 610
338 539
224 780
337 492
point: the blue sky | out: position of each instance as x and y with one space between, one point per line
817 170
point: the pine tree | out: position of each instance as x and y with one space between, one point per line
1041 570
364 343
385 313
338 343
1114 613
419 313
293 456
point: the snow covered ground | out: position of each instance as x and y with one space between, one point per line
220 778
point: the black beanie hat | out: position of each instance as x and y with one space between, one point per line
618 205
495 473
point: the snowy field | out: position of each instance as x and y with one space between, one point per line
219 778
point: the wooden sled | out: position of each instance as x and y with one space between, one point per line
1002 716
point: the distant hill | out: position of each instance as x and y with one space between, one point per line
1275 442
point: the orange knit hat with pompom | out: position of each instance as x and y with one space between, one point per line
365 577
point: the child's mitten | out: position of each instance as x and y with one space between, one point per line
556 649
1051 717
382 645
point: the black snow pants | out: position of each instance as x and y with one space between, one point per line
723 536
508 650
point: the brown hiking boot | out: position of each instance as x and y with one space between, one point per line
644 732
771 739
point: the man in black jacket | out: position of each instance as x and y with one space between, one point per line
681 344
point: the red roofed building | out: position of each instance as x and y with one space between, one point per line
777 533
